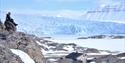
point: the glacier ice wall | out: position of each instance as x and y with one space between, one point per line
44 25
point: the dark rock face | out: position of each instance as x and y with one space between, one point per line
121 55
23 42
109 59
103 37
1 26
92 50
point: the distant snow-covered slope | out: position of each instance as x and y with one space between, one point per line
113 13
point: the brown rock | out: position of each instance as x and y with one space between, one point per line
25 43
6 56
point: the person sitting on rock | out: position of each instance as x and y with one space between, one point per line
8 18
9 23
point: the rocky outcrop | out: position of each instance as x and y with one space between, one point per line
1 26
92 50
10 26
27 44
21 41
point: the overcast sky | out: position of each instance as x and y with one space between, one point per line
53 5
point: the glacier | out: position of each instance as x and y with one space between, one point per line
52 26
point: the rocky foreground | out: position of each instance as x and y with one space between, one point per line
18 41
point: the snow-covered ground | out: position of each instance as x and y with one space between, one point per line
24 56
121 57
101 44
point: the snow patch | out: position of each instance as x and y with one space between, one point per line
96 54
42 44
38 43
121 57
24 56
43 51
104 52
92 62
68 48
